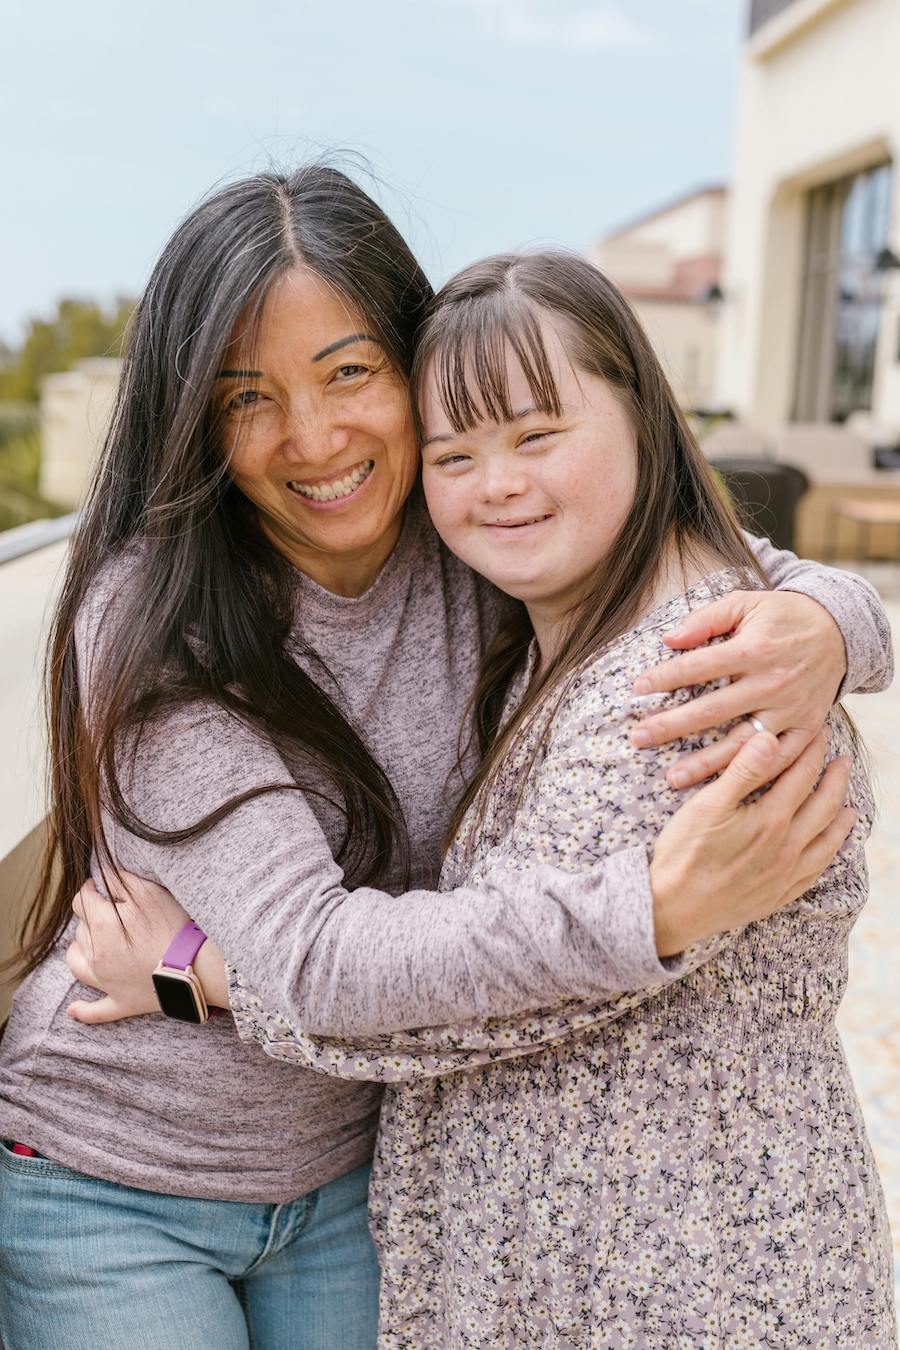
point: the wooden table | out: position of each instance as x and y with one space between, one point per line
865 512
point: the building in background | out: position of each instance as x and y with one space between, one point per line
75 410
811 310
668 263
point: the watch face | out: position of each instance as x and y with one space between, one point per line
177 997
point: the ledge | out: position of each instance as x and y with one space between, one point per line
776 32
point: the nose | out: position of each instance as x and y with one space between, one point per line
502 478
311 436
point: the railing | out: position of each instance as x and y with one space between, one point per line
37 534
762 10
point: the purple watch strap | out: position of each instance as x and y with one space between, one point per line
184 947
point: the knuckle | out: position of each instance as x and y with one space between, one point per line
76 963
715 709
690 668
823 856
699 764
645 735
776 671
746 766
653 677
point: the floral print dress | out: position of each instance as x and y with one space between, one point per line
677 1167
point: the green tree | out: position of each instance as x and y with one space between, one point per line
79 328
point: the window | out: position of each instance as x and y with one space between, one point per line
848 222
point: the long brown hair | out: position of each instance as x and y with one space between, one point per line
496 305
210 603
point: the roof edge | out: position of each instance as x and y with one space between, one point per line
709 190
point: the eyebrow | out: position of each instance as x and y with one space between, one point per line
319 356
517 416
345 342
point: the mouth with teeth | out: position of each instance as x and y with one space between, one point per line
335 489
517 524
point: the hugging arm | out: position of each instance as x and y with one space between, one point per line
790 653
569 815
264 885
851 601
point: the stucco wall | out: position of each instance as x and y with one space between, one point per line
812 108
75 411
695 227
685 338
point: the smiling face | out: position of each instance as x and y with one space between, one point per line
536 503
318 432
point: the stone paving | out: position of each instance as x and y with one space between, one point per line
869 1018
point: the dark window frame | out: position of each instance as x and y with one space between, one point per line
763 10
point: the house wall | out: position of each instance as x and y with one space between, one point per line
819 99
75 411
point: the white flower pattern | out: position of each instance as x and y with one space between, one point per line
679 1167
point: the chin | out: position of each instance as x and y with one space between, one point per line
515 587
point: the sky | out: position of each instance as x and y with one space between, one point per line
488 124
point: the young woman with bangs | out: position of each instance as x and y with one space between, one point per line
261 663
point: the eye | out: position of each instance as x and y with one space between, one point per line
350 372
448 461
245 398
533 437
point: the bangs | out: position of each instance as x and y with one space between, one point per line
470 346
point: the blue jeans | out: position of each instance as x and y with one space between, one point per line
92 1265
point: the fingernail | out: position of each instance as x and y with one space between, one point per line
640 738
678 777
675 632
643 686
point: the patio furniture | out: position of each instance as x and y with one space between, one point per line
766 495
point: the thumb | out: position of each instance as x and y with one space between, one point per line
755 764
713 620
94 1011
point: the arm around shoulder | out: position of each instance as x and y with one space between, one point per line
853 604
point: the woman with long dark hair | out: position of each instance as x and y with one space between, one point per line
259 668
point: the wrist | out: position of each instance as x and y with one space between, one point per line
177 985
675 918
827 642
209 968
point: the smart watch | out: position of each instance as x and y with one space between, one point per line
179 991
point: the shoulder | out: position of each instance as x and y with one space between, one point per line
599 700
108 599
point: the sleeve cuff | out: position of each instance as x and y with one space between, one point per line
632 946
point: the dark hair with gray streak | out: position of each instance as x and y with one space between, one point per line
210 605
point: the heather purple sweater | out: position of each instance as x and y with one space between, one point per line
194 1111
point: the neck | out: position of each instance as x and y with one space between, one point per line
549 624
347 574
673 576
